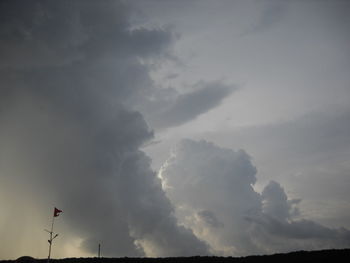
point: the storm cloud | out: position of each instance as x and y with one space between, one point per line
71 72
88 87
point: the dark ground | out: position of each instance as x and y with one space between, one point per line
335 255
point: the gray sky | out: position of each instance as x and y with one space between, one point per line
174 128
289 62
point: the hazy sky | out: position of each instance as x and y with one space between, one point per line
174 128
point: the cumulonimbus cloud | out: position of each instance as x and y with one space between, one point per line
70 137
212 190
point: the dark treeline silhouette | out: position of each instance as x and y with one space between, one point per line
334 255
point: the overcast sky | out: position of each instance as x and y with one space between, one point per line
174 128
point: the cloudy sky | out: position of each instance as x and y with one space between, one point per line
174 128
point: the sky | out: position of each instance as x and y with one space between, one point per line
174 128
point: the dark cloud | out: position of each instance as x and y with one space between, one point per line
34 35
71 72
215 184
93 44
185 107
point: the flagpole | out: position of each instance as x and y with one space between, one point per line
50 240
56 212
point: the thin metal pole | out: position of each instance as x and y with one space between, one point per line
99 250
50 240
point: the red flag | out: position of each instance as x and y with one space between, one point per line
57 212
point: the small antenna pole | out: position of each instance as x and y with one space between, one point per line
99 250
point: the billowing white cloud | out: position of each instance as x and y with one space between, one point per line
212 189
281 228
276 203
203 177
